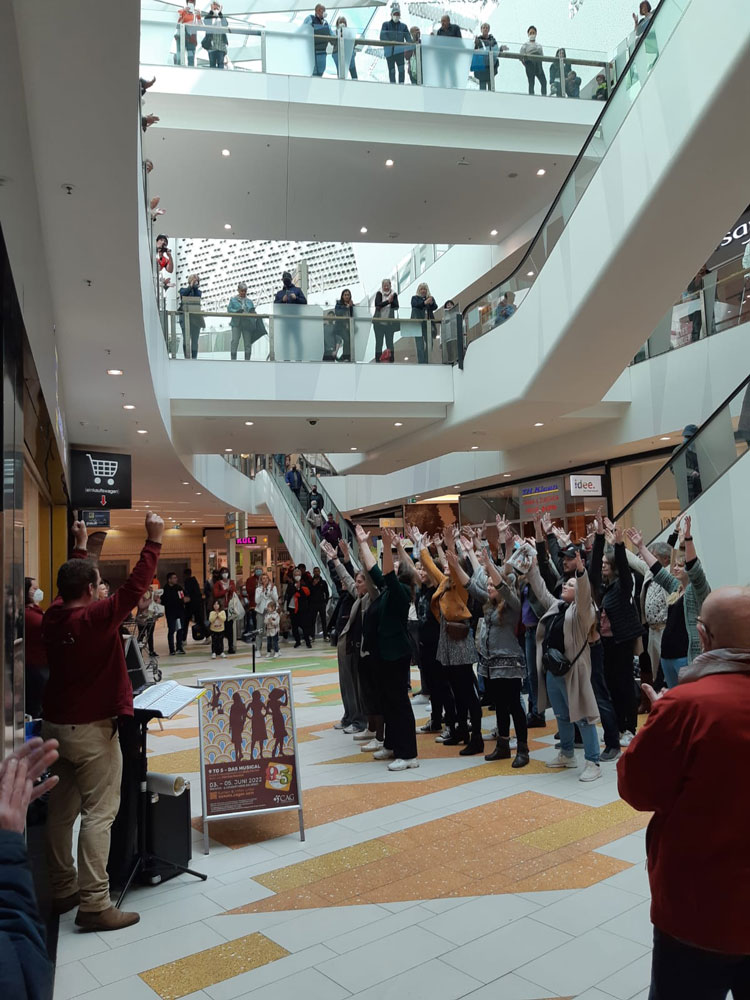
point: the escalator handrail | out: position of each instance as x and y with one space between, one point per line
675 456
330 507
540 232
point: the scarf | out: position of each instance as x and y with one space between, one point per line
716 661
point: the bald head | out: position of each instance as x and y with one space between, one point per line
724 621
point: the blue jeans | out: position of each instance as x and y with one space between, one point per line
558 696
531 674
672 668
320 63
603 699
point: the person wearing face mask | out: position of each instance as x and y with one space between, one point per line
395 55
190 300
486 60
290 294
531 50
342 23
187 16
385 321
37 671
216 42
223 590
321 33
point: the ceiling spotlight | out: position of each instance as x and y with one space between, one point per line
398 423
198 494
389 163
506 475
475 447
186 484
541 172
225 152
529 274
406 358
227 225
141 431
539 424
363 229
192 522
115 371
665 439
353 448
128 406
248 423
229 449
493 232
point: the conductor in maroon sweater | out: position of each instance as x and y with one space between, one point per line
88 689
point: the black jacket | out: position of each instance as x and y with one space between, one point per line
393 322
171 599
616 597
452 31
26 972
319 594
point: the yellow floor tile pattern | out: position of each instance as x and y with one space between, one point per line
524 843
214 965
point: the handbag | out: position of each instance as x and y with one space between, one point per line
555 662
198 632
458 631
235 609
479 62
207 42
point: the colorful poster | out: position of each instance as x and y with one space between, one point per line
248 745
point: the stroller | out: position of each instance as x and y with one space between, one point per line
142 629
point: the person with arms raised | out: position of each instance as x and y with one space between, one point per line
88 690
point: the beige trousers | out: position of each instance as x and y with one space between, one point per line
90 771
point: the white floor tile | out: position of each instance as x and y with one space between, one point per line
503 950
73 947
158 919
234 925
431 981
579 964
587 909
73 979
323 927
237 893
548 896
132 988
631 848
635 925
510 987
375 931
630 981
248 983
633 879
130 959
310 984
383 959
477 918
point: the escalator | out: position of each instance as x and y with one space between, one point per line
708 477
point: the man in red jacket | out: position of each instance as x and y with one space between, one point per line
88 689
687 765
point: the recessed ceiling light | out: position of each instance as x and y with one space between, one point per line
128 406
475 447
227 225
406 358
248 423
493 232
228 449
541 172
353 448
506 475
115 371
192 522
186 484
529 274
665 439
389 163
398 423
141 431
198 494
225 152
363 229
539 424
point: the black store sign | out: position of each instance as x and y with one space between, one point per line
100 480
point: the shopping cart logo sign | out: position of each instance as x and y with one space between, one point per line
100 479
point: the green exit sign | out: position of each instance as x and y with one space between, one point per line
412 500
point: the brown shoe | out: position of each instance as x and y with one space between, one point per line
65 903
110 919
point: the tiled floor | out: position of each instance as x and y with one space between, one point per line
456 879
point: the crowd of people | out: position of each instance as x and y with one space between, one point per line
400 50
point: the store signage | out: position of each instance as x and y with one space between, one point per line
248 746
250 540
545 495
585 486
95 518
734 242
100 479
412 500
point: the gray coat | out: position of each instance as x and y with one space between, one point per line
361 604
497 644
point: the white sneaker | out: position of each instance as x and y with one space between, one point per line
223 656
383 754
338 725
365 735
213 656
402 765
560 760
276 656
626 738
419 699
350 730
590 772
372 745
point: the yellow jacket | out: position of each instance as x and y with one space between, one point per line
450 596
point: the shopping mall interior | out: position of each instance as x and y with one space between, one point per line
322 289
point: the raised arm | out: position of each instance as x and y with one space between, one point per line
457 572
405 560
645 557
430 568
537 585
621 561
365 552
693 565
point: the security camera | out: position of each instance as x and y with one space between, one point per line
312 423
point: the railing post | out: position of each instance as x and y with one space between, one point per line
183 50
263 52
271 346
173 335
491 57
339 43
418 60
563 87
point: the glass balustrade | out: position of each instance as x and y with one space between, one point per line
693 468
432 61
500 304
305 333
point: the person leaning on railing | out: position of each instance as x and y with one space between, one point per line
344 310
416 37
249 328
187 16
488 52
385 321
395 55
533 64
321 32
192 293
423 307
342 23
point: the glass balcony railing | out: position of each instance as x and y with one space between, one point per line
430 61
500 304
701 459
712 302
306 333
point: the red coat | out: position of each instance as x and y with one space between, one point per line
222 595
689 765
36 652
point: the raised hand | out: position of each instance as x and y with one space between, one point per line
80 534
344 547
687 522
389 537
635 536
15 795
411 533
502 527
328 550
618 535
599 522
154 527
546 524
482 532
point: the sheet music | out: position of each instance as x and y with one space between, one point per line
167 698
